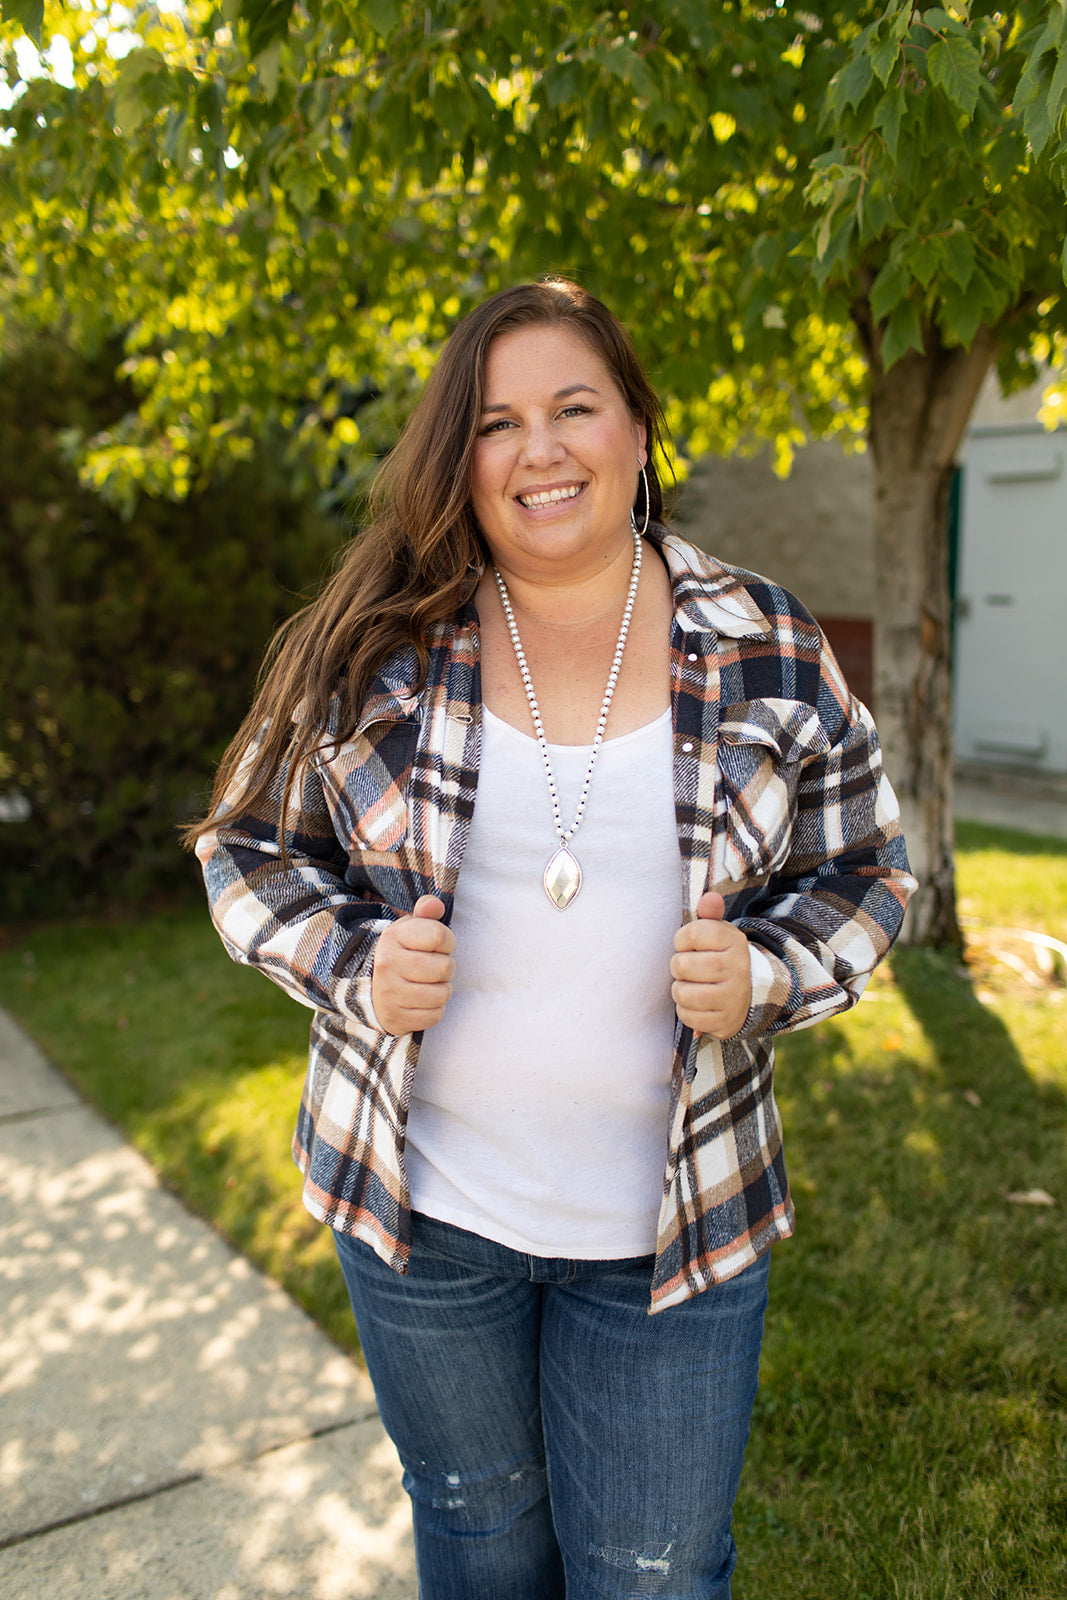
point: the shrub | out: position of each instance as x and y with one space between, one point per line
128 646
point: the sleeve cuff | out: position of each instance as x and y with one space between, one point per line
772 991
358 1001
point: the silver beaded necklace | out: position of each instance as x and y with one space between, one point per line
562 876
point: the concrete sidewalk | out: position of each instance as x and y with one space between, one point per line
172 1427
1031 802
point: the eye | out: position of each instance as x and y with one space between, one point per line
576 410
494 427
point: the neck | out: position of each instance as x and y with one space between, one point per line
574 601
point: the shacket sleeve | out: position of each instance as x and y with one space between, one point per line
300 920
830 913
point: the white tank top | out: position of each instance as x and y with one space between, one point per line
539 1110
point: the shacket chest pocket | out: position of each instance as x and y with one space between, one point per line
368 779
763 748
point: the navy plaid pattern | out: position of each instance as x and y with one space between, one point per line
782 806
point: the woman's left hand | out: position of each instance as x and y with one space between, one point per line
712 988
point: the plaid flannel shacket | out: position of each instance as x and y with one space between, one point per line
782 806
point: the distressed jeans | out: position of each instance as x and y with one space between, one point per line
557 1440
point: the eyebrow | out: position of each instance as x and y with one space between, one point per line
560 394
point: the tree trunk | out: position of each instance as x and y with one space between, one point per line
919 410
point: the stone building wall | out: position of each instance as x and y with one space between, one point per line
811 532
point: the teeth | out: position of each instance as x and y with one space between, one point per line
549 497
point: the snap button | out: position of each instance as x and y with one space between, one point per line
691 656
688 745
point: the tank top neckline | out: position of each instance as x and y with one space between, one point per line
620 739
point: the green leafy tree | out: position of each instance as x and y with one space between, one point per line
128 644
820 220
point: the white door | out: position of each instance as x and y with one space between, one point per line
1011 613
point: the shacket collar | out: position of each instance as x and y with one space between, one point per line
708 595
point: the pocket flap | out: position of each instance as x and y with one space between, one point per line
790 729
368 779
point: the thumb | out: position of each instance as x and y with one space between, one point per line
429 905
711 906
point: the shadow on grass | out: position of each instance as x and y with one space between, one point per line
910 1434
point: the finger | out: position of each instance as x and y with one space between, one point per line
418 1019
425 967
702 966
424 933
707 998
706 934
429 905
712 1024
711 906
426 996
717 1021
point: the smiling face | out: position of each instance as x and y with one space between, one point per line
557 457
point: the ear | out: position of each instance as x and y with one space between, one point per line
641 434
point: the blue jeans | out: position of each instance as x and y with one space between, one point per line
557 1440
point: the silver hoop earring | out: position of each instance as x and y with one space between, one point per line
648 506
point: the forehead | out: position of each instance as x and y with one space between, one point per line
545 356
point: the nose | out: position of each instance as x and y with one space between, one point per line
541 443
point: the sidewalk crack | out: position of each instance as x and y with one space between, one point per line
138 1496
9 1117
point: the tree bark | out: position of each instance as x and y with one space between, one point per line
919 410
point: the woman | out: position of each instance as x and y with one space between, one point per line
554 822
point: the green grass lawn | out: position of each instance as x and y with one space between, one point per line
910 1437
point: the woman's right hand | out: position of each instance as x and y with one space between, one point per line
413 969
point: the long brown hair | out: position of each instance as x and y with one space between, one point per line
420 556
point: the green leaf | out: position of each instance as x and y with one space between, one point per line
267 20
1058 90
140 64
887 117
889 288
854 81
176 138
1054 35
268 64
624 64
961 315
959 257
130 109
1037 124
767 252
903 333
953 64
901 23
925 258
884 57
880 214
563 82
383 15
27 14
302 187
334 165
1034 95
834 247
1064 259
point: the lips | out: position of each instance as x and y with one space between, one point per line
533 499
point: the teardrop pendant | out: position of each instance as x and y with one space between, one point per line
562 879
